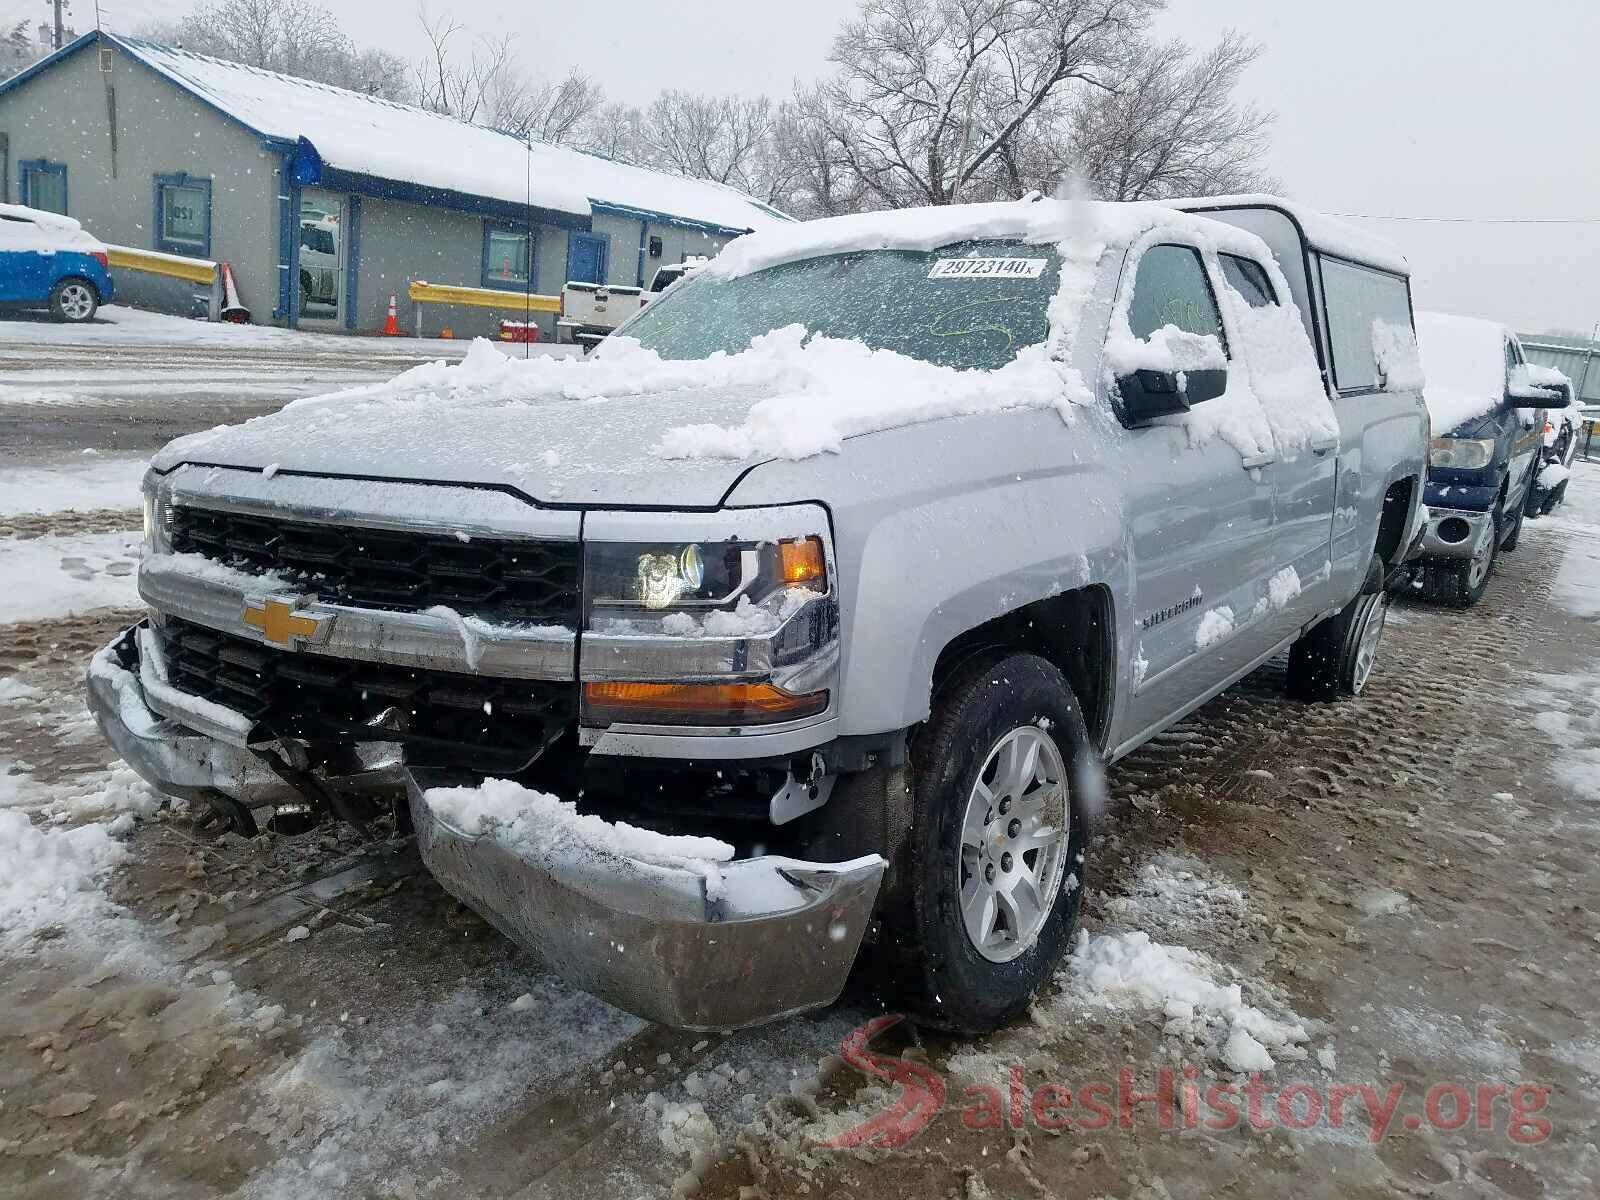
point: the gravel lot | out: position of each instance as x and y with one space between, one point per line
1409 879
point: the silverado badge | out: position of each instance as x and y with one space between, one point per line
280 622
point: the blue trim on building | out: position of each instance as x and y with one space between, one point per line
158 227
519 215
288 236
531 232
661 218
601 241
644 242
294 255
352 258
29 167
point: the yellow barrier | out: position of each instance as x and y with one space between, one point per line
194 270
444 293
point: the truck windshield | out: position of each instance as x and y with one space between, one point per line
972 305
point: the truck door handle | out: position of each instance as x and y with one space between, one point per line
1324 446
1252 461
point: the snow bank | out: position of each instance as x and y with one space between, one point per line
79 485
1465 363
53 576
541 826
1128 969
51 877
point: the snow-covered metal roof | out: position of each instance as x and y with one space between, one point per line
366 135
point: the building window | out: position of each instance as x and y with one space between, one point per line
44 185
183 215
507 257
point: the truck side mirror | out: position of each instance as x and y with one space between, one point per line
1150 394
1522 392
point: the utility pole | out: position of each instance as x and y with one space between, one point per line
60 34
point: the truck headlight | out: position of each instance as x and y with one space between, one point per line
1461 454
157 514
708 633
649 581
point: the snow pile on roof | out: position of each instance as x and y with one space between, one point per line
1464 360
370 136
34 229
1323 232
549 829
50 876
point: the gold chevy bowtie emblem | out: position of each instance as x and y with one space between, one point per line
279 623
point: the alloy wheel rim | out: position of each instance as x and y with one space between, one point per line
1479 570
76 301
1013 843
1371 635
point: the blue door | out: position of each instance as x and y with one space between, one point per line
586 258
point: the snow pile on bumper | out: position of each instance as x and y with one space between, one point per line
672 929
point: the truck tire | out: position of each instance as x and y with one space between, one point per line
1335 656
74 300
1460 582
990 871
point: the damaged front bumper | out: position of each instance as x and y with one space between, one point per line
772 937
1456 532
190 748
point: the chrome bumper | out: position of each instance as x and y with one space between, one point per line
1455 532
187 747
779 939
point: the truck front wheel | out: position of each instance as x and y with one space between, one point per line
991 869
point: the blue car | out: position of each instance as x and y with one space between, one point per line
48 261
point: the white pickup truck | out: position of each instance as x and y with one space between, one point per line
590 311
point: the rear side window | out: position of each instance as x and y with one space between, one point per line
1171 288
1249 279
1356 299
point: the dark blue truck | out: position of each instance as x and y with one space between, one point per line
1488 407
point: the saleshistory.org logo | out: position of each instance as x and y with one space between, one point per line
1177 1099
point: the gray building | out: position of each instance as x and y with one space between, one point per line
326 202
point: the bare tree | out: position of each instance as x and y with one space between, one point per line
460 81
1172 127
555 111
929 92
295 37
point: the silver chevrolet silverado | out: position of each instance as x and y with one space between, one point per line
874 626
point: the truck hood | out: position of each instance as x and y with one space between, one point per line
623 427
555 450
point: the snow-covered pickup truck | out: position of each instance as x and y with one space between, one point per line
790 630
1486 464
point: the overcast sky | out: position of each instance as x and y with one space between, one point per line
1431 108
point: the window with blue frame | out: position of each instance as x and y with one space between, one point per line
44 185
183 215
508 257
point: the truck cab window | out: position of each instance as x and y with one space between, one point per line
1171 288
1249 279
1356 299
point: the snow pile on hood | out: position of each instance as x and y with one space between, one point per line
1465 362
541 826
51 876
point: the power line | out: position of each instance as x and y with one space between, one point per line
1474 220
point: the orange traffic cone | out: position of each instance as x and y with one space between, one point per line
232 308
391 327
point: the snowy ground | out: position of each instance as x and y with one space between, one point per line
1396 892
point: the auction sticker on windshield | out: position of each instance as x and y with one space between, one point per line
987 268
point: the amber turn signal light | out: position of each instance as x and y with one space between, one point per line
696 704
801 560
